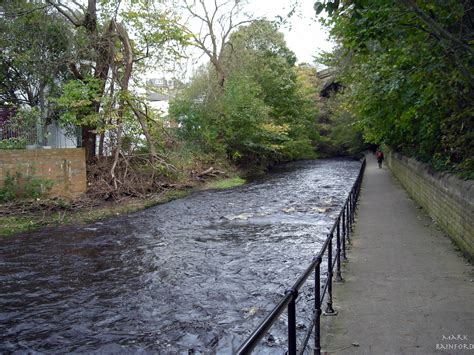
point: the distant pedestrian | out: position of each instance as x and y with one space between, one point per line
380 157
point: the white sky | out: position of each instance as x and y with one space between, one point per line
305 35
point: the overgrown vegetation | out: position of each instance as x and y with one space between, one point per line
261 114
82 64
13 143
407 69
22 216
20 186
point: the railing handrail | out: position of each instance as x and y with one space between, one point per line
346 216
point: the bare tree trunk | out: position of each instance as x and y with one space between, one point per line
127 73
141 119
220 75
219 22
116 155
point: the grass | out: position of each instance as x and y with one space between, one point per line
225 183
10 225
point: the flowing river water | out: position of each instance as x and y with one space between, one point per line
195 275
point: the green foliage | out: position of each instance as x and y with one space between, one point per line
35 47
409 78
226 183
13 143
11 225
339 135
20 186
262 114
77 102
25 118
24 125
246 129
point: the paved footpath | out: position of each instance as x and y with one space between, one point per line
407 290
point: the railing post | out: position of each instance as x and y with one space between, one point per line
338 253
292 322
329 309
353 206
317 308
348 227
343 220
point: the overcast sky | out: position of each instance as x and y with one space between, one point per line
305 36
303 33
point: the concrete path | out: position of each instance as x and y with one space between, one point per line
406 290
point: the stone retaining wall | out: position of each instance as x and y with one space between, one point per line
447 199
66 168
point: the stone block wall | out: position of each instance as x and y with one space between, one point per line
66 168
447 199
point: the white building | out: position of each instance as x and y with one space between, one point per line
159 93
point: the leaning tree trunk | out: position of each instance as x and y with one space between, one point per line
124 82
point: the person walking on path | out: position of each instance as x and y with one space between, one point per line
380 157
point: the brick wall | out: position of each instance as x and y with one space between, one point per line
66 168
447 199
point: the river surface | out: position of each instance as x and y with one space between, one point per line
195 275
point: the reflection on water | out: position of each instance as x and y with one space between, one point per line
196 274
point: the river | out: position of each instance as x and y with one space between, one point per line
195 275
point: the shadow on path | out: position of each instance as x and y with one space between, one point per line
406 289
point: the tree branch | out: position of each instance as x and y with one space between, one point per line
435 27
75 71
69 14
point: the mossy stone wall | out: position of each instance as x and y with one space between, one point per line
447 199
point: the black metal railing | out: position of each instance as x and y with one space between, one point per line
340 231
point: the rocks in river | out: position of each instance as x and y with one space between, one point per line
251 311
320 209
242 217
270 341
288 209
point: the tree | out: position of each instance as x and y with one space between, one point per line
259 50
105 53
262 114
216 23
33 61
92 59
409 74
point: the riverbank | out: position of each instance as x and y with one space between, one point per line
29 215
146 281
32 214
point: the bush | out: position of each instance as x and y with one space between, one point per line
20 186
12 143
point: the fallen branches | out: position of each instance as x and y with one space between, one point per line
209 172
205 172
134 176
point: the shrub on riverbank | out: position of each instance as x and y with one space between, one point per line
261 114
19 186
